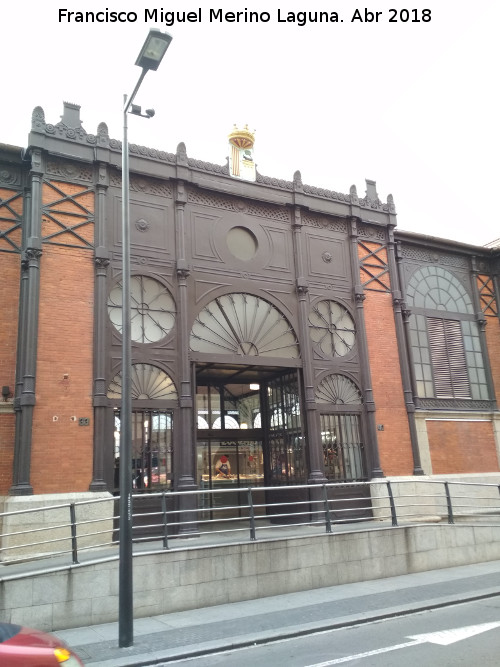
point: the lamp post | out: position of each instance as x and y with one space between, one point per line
150 57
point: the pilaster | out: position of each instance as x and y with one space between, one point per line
101 263
314 445
481 325
399 307
186 455
366 381
29 310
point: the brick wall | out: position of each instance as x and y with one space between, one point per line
9 306
493 343
394 441
9 309
7 434
462 446
62 450
493 340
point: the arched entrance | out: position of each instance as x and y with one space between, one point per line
250 429
152 427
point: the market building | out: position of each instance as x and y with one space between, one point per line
282 334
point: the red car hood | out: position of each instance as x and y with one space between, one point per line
26 647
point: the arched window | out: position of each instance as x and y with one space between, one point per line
245 325
152 427
341 436
435 288
148 382
445 339
338 390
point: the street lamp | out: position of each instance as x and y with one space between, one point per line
149 58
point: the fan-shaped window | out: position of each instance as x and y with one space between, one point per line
332 327
147 382
202 422
435 288
152 309
245 325
338 390
229 422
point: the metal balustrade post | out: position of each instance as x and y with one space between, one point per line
253 535
165 520
394 517
328 520
448 503
74 546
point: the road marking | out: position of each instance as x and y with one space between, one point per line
358 656
457 634
443 638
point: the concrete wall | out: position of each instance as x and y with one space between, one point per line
48 531
186 579
424 498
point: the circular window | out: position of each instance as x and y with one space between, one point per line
242 243
152 309
332 327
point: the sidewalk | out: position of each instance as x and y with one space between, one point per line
185 634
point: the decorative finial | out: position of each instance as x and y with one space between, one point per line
242 138
181 153
37 118
241 162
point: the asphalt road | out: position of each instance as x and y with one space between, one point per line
465 634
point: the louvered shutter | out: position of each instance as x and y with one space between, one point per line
451 378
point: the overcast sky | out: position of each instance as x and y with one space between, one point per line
412 105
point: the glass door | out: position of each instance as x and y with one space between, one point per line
152 438
229 464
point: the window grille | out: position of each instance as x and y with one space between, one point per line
152 309
332 328
342 447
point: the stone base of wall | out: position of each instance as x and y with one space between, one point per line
186 579
51 528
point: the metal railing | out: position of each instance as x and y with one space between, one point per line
77 533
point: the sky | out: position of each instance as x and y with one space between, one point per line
412 104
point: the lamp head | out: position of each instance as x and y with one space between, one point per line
153 50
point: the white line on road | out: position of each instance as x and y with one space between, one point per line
443 638
348 658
